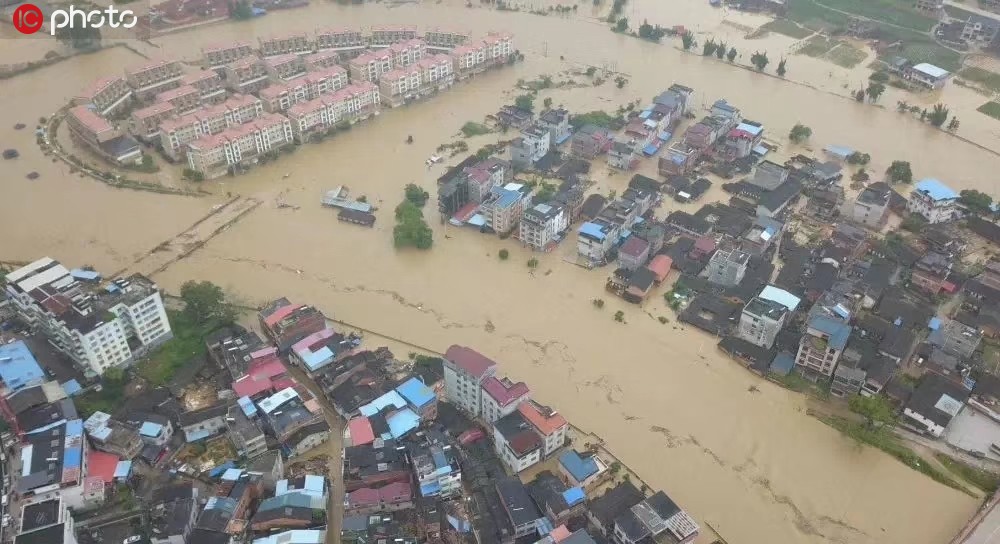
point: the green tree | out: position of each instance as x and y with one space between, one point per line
876 410
953 124
938 115
591 71
859 158
78 34
759 60
687 41
416 195
504 254
880 76
859 95
875 90
547 102
799 133
205 303
899 172
720 50
532 263
620 82
731 55
622 25
525 102
975 201
598 303
708 48
411 230
620 316
241 10
781 68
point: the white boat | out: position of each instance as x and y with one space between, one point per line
434 159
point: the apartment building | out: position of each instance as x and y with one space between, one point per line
95 132
424 78
408 52
728 267
145 122
213 155
872 205
44 522
370 66
444 40
216 56
498 47
501 397
278 98
109 95
934 200
504 206
482 177
384 36
542 224
821 347
99 327
465 370
469 59
340 39
516 442
208 83
177 132
184 99
285 67
530 146
282 45
548 423
155 77
761 321
321 59
246 76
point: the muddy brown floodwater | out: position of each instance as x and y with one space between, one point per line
754 466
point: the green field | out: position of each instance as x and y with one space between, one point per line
828 12
846 56
817 46
987 79
990 108
786 27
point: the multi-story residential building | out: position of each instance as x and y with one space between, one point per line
176 133
821 346
516 442
184 99
679 159
727 267
282 45
504 206
634 253
934 200
213 155
927 75
501 397
340 39
483 176
54 465
109 95
469 59
370 66
244 433
246 76
498 47
153 78
930 272
595 238
590 141
426 77
444 40
173 513
761 321
530 146
353 102
214 57
112 436
321 59
285 67
542 224
209 85
278 98
408 52
384 36
44 522
98 327
145 122
872 205
465 369
741 140
437 469
437 72
623 154
556 122
95 132
548 423
956 338
655 519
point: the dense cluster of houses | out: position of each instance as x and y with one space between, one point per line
243 104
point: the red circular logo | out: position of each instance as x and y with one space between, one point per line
28 19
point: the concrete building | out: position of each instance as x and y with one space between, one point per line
386 35
209 85
237 146
934 403
54 465
529 147
98 327
590 141
929 6
542 224
595 238
444 39
145 122
278 98
184 99
623 153
761 321
340 40
44 522
438 471
214 57
354 102
821 346
409 52
112 436
274 46
96 133
872 205
465 369
415 80
108 96
556 122
934 200
321 59
927 75
153 78
177 132
501 397
246 436
285 67
956 338
516 442
246 76
370 66
548 423
727 267
634 253
504 206
173 513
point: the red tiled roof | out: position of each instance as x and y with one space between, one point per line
281 313
660 266
634 246
704 243
503 394
363 497
396 491
102 465
546 420
560 533
524 442
361 431
469 360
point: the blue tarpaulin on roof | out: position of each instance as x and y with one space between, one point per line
593 230
402 422
123 469
72 387
574 495
838 151
198 435
651 149
761 150
560 140
217 471
149 428
934 324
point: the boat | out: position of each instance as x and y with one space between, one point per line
434 159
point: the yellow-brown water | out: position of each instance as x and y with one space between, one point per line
755 466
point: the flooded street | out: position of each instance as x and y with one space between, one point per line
754 466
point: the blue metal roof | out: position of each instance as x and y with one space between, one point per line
198 435
839 151
18 367
593 230
85 275
780 296
836 330
149 428
430 489
507 197
416 393
574 495
123 469
783 363
217 471
752 129
579 467
318 358
650 149
402 422
247 406
72 387
392 398
935 189
934 324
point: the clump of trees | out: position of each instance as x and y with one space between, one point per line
651 33
411 230
875 409
416 195
731 55
799 133
205 303
781 68
975 201
708 48
859 158
525 102
874 90
759 60
687 41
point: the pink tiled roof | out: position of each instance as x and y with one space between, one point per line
392 28
248 385
287 58
322 55
469 360
149 66
307 343
239 100
361 431
502 393
98 86
102 465
261 123
560 533
408 44
175 123
166 96
336 30
547 423
200 75
89 119
396 491
281 313
279 37
158 108
363 497
370 56
211 48
634 247
274 91
245 62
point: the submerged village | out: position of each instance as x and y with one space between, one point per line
136 416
